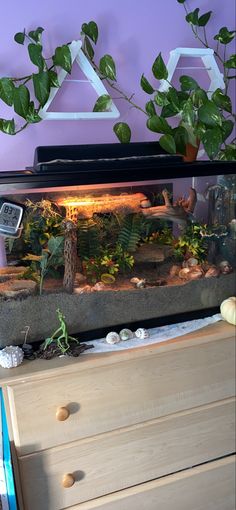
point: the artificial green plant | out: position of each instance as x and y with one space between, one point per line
50 259
60 337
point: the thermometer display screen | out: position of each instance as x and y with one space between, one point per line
10 218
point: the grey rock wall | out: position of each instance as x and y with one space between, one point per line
96 310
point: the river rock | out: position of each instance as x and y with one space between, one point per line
152 253
17 288
11 272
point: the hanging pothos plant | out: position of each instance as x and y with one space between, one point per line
14 91
210 121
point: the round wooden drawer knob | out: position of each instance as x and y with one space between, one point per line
68 480
62 413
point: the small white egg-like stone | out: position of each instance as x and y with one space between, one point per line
99 286
141 284
191 262
11 356
141 333
126 334
112 338
134 280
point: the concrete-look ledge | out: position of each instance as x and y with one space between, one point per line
95 310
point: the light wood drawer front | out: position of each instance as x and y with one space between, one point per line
120 394
207 487
127 457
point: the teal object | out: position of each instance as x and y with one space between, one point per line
11 494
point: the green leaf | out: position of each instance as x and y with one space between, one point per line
169 111
225 36
222 100
53 79
199 97
200 129
192 17
7 88
159 68
107 67
172 96
231 62
41 83
55 244
7 126
62 57
91 30
36 34
203 20
180 135
227 128
188 83
181 1
146 86
158 125
103 103
168 144
35 54
88 48
21 100
209 114
228 154
44 261
130 233
150 108
212 140
161 98
183 97
32 116
122 131
19 37
188 113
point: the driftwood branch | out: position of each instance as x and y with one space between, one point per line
179 212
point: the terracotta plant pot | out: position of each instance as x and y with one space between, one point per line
191 152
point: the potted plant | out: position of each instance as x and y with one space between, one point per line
197 119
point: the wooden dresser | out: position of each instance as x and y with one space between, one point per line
144 429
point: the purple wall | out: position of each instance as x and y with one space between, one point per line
132 31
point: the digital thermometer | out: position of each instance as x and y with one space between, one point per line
10 218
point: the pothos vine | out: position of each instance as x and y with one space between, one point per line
211 125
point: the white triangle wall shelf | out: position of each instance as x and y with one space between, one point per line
209 65
78 56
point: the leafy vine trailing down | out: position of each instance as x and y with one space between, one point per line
14 90
200 119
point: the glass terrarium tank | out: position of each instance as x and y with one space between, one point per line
113 236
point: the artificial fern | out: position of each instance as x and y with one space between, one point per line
130 233
88 239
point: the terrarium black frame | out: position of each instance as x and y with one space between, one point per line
60 166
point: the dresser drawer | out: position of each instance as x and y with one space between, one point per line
127 457
207 487
119 394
